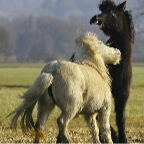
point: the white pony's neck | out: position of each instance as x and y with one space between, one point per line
96 62
82 55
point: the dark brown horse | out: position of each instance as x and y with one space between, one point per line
117 23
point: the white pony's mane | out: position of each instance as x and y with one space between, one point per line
89 41
90 50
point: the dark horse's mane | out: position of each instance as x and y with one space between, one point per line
106 4
110 4
130 23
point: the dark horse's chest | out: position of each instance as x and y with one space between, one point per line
121 74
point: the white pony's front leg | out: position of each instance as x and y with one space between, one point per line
91 120
104 126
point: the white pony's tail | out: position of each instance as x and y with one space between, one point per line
31 97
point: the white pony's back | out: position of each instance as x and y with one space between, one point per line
80 82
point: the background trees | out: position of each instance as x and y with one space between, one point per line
46 30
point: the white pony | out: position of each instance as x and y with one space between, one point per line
76 88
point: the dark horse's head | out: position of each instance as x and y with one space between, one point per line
114 20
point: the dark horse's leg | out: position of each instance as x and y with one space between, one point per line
114 135
120 105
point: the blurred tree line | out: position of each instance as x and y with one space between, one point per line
41 39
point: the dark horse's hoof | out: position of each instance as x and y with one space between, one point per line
114 135
122 139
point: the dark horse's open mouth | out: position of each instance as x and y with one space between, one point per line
99 23
95 20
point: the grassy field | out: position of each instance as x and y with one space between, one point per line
14 81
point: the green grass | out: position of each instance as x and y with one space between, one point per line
138 76
18 76
25 75
135 106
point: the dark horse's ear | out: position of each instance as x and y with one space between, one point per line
122 6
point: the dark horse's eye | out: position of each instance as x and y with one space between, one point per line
113 14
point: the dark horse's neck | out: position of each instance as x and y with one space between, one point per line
123 42
123 38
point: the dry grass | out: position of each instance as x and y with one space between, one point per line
79 132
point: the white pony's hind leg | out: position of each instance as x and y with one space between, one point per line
91 120
63 121
104 126
63 134
45 106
